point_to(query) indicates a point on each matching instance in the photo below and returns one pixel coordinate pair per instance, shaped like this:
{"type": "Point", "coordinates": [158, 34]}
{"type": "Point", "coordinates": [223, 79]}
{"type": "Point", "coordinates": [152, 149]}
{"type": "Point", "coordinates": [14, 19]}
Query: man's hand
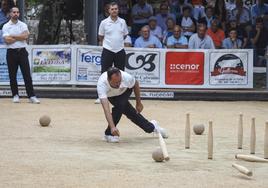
{"type": "Point", "coordinates": [151, 46]}
{"type": "Point", "coordinates": [115, 131]}
{"type": "Point", "coordinates": [139, 107]}
{"type": "Point", "coordinates": [9, 39]}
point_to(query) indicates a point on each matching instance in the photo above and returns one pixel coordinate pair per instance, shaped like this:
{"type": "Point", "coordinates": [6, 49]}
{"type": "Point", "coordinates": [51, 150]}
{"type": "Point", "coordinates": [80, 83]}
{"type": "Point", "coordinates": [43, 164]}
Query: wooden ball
{"type": "Point", "coordinates": [157, 155]}
{"type": "Point", "coordinates": [44, 121]}
{"type": "Point", "coordinates": [199, 129]}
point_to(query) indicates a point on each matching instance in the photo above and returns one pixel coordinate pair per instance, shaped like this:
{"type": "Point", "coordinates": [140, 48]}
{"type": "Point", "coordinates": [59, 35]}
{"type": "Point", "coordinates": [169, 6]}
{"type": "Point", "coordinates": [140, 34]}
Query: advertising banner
{"type": "Point", "coordinates": [144, 66]}
{"type": "Point", "coordinates": [153, 68]}
{"type": "Point", "coordinates": [88, 66]}
{"type": "Point", "coordinates": [228, 68]}
{"type": "Point", "coordinates": [51, 64]}
{"type": "Point", "coordinates": [185, 68]}
{"type": "Point", "coordinates": [4, 76]}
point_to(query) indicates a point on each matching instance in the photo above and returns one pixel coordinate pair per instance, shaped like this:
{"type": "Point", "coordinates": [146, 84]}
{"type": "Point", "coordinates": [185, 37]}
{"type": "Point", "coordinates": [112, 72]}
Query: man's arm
{"type": "Point", "coordinates": [9, 40]}
{"type": "Point", "coordinates": [21, 37]}
{"type": "Point", "coordinates": [108, 116]}
{"type": "Point", "coordinates": [139, 105]}
{"type": "Point", "coordinates": [101, 40]}
{"type": "Point", "coordinates": [256, 37]}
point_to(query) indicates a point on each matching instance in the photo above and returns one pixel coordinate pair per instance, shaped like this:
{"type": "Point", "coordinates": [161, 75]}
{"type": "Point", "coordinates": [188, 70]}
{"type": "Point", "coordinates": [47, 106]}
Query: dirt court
{"type": "Point", "coordinates": [71, 153]}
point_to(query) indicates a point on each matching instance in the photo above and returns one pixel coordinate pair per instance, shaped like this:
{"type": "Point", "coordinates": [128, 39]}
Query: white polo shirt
{"type": "Point", "coordinates": [11, 28]}
{"type": "Point", "coordinates": [105, 90]}
{"type": "Point", "coordinates": [113, 32]}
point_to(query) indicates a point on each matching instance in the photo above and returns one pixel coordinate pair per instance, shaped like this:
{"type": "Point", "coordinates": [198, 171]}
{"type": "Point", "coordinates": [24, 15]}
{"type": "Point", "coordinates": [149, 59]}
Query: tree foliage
{"type": "Point", "coordinates": [50, 21]}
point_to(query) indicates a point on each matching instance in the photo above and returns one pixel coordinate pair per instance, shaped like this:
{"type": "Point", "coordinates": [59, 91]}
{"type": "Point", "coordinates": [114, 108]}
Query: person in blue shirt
{"type": "Point", "coordinates": [177, 40]}
{"type": "Point", "coordinates": [4, 17]}
{"type": "Point", "coordinates": [232, 42]}
{"type": "Point", "coordinates": [260, 9]}
{"type": "Point", "coordinates": [146, 40]}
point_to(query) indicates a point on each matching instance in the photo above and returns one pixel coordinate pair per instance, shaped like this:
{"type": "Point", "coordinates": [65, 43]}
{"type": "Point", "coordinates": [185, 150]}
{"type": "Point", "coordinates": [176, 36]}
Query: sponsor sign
{"type": "Point", "coordinates": [88, 65]}
{"type": "Point", "coordinates": [185, 68]}
{"type": "Point", "coordinates": [4, 75]}
{"type": "Point", "coordinates": [228, 68]}
{"type": "Point", "coordinates": [144, 66]}
{"type": "Point", "coordinates": [51, 64]}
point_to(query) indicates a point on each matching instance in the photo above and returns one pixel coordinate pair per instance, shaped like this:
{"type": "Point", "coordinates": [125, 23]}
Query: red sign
{"type": "Point", "coordinates": [185, 68]}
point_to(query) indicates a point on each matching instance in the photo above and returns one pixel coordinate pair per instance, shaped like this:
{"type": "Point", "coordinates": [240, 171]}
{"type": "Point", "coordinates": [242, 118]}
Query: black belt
{"type": "Point", "coordinates": [16, 49]}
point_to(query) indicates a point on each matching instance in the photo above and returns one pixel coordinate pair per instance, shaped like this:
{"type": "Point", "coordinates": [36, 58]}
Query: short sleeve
{"type": "Point", "coordinates": [129, 80]}
{"type": "Point", "coordinates": [169, 41]}
{"type": "Point", "coordinates": [24, 27]}
{"type": "Point", "coordinates": [101, 29]}
{"type": "Point", "coordinates": [102, 87]}
{"type": "Point", "coordinates": [125, 28]}
{"type": "Point", "coordinates": [184, 40]}
{"type": "Point", "coordinates": [191, 42]}
{"type": "Point", "coordinates": [5, 32]}
{"type": "Point", "coordinates": [224, 44]}
{"type": "Point", "coordinates": [158, 43]}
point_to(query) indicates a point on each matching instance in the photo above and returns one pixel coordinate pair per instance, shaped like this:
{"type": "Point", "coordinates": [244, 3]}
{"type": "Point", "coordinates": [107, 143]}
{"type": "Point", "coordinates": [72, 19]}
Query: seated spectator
{"type": "Point", "coordinates": [176, 7]}
{"type": "Point", "coordinates": [220, 12]}
{"type": "Point", "coordinates": [141, 12]}
{"type": "Point", "coordinates": [169, 31]}
{"type": "Point", "coordinates": [260, 9]}
{"type": "Point", "coordinates": [104, 13]}
{"type": "Point", "coordinates": [259, 39]}
{"type": "Point", "coordinates": [187, 22]}
{"type": "Point", "coordinates": [4, 17]}
{"type": "Point", "coordinates": [230, 5]}
{"type": "Point", "coordinates": [128, 41]}
{"type": "Point", "coordinates": [163, 16]}
{"type": "Point", "coordinates": [241, 33]}
{"type": "Point", "coordinates": [209, 15]}
{"type": "Point", "coordinates": [124, 7]}
{"type": "Point", "coordinates": [177, 40]}
{"type": "Point", "coordinates": [146, 40]}
{"type": "Point", "coordinates": [198, 9]}
{"type": "Point", "coordinates": [242, 14]}
{"type": "Point", "coordinates": [232, 42]}
{"type": "Point", "coordinates": [216, 33]}
{"type": "Point", "coordinates": [201, 40]}
{"type": "Point", "coordinates": [202, 21]}
{"type": "Point", "coordinates": [154, 28]}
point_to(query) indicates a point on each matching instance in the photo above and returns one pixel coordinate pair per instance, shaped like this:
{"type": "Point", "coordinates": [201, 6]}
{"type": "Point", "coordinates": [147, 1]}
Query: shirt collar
{"type": "Point", "coordinates": [110, 20]}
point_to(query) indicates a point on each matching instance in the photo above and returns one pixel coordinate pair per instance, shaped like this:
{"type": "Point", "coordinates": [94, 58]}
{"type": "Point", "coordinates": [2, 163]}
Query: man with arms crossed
{"type": "Point", "coordinates": [115, 86]}
{"type": "Point", "coordinates": [15, 34]}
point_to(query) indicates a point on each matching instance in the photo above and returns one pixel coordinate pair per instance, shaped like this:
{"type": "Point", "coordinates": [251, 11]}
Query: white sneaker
{"type": "Point", "coordinates": [97, 101]}
{"type": "Point", "coordinates": [158, 129]}
{"type": "Point", "coordinates": [34, 100]}
{"type": "Point", "coordinates": [111, 139]}
{"type": "Point", "coordinates": [16, 99]}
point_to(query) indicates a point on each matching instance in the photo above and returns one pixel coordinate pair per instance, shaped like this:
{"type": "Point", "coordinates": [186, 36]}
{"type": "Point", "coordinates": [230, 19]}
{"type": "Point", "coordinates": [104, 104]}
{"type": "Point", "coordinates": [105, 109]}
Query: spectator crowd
{"type": "Point", "coordinates": [195, 24]}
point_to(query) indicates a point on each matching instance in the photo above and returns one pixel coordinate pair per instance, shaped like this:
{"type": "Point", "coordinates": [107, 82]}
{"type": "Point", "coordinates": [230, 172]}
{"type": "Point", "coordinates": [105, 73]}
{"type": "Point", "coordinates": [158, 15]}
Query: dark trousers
{"type": "Point", "coordinates": [19, 58]}
{"type": "Point", "coordinates": [121, 105]}
{"type": "Point", "coordinates": [109, 58]}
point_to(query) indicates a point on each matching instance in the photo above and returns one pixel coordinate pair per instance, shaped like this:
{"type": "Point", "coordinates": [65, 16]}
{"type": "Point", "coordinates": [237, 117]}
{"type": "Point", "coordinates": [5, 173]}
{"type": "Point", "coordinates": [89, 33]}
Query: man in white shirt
{"type": "Point", "coordinates": [112, 32]}
{"type": "Point", "coordinates": [15, 34]}
{"type": "Point", "coordinates": [115, 86]}
{"type": "Point", "coordinates": [201, 40]}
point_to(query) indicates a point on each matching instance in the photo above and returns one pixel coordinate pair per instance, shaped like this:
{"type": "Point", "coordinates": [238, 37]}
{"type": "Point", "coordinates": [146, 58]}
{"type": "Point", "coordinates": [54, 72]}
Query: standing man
{"type": "Point", "coordinates": [112, 32]}
{"type": "Point", "coordinates": [15, 34]}
{"type": "Point", "coordinates": [115, 86]}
